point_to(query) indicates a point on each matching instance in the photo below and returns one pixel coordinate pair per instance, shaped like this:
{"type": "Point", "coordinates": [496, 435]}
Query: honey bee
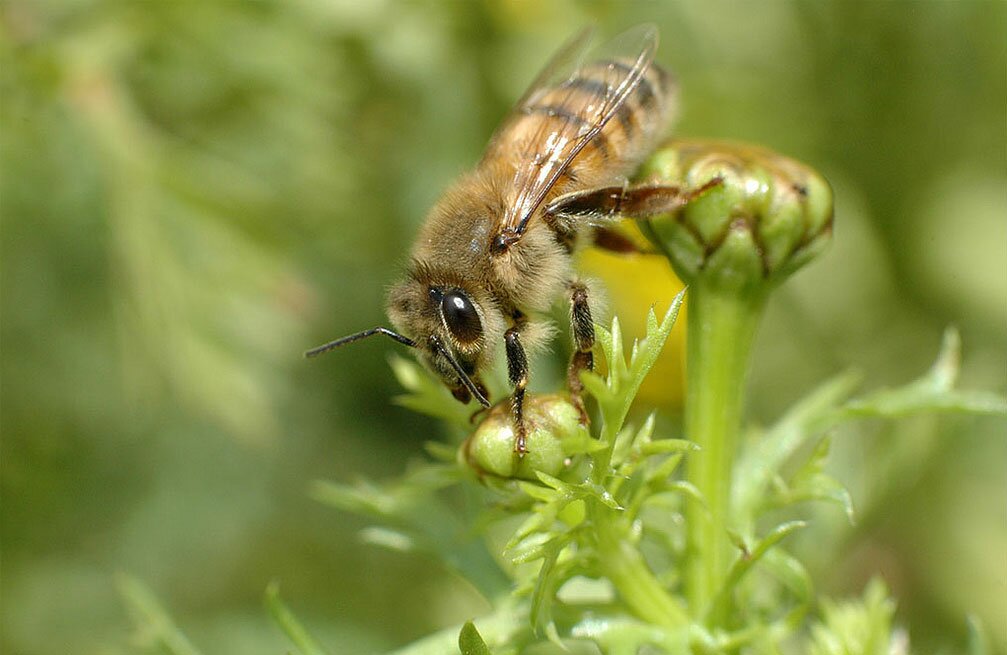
{"type": "Point", "coordinates": [496, 250]}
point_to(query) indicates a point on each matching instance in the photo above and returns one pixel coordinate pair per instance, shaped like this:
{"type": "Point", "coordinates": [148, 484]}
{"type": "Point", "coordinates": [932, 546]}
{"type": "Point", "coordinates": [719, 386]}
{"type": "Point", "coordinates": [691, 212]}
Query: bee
{"type": "Point", "coordinates": [496, 251]}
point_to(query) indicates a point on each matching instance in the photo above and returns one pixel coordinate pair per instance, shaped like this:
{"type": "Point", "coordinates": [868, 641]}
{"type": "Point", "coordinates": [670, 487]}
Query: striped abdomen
{"type": "Point", "coordinates": [554, 118]}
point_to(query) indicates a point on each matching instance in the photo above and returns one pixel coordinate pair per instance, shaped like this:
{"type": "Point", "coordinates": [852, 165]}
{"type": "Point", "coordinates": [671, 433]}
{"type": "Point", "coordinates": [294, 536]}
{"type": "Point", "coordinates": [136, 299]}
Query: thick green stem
{"type": "Point", "coordinates": [624, 566]}
{"type": "Point", "coordinates": [722, 324]}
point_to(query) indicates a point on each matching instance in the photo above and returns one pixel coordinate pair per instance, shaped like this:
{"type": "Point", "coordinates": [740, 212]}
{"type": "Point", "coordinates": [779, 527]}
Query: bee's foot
{"type": "Point", "coordinates": [520, 445]}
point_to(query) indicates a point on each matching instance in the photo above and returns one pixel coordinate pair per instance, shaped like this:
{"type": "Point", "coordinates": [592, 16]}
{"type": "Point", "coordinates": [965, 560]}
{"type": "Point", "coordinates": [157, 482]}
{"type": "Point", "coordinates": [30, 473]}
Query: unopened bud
{"type": "Point", "coordinates": [554, 435]}
{"type": "Point", "coordinates": [766, 218]}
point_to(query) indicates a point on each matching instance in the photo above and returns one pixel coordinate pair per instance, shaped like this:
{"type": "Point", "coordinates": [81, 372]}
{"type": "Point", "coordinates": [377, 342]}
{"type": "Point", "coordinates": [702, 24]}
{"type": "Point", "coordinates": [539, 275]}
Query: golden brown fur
{"type": "Point", "coordinates": [453, 250]}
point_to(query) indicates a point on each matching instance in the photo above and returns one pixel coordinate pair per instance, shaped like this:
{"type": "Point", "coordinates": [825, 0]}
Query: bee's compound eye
{"type": "Point", "coordinates": [461, 317]}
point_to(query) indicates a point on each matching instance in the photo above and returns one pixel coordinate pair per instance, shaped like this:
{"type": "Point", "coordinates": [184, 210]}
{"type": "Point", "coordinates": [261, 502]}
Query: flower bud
{"type": "Point", "coordinates": [766, 218]}
{"type": "Point", "coordinates": [554, 435]}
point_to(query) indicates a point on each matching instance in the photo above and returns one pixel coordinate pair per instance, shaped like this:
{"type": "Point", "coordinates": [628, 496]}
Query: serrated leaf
{"type": "Point", "coordinates": [907, 401]}
{"type": "Point", "coordinates": [824, 487]}
{"type": "Point", "coordinates": [744, 564]}
{"type": "Point", "coordinates": [933, 392]}
{"type": "Point", "coordinates": [760, 462]}
{"type": "Point", "coordinates": [470, 642]}
{"type": "Point", "coordinates": [291, 626]}
{"type": "Point", "coordinates": [811, 483]}
{"type": "Point", "coordinates": [624, 378]}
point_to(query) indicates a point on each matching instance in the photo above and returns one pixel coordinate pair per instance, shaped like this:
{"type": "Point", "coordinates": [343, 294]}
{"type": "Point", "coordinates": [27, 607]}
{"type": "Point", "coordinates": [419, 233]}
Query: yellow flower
{"type": "Point", "coordinates": [634, 283]}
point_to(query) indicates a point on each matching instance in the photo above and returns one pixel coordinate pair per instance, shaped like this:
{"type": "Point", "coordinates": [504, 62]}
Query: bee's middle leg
{"type": "Point", "coordinates": [583, 338]}
{"type": "Point", "coordinates": [517, 373]}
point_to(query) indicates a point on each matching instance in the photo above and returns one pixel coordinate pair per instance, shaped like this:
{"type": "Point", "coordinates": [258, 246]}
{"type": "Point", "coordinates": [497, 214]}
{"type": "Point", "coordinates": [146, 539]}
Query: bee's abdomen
{"type": "Point", "coordinates": [580, 100]}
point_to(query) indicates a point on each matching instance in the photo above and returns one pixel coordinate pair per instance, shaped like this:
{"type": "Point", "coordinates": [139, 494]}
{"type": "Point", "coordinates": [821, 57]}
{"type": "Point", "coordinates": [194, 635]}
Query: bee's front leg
{"type": "Point", "coordinates": [517, 373]}
{"type": "Point", "coordinates": [583, 338]}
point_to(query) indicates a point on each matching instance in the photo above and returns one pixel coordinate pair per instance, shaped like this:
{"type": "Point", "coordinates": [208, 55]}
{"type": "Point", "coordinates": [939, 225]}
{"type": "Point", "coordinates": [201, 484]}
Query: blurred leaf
{"type": "Point", "coordinates": [857, 627]}
{"type": "Point", "coordinates": [548, 580]}
{"type": "Point", "coordinates": [746, 560]}
{"type": "Point", "coordinates": [810, 482]}
{"type": "Point", "coordinates": [620, 635]}
{"type": "Point", "coordinates": [933, 392]}
{"type": "Point", "coordinates": [762, 460]}
{"type": "Point", "coordinates": [155, 625]}
{"type": "Point", "coordinates": [470, 642]}
{"type": "Point", "coordinates": [507, 624]}
{"type": "Point", "coordinates": [295, 631]}
{"type": "Point", "coordinates": [978, 643]}
{"type": "Point", "coordinates": [427, 395]}
{"type": "Point", "coordinates": [413, 518]}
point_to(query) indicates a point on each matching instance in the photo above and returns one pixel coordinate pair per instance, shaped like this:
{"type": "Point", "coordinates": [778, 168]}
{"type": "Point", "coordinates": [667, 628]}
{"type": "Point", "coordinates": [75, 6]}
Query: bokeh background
{"type": "Point", "coordinates": [195, 192]}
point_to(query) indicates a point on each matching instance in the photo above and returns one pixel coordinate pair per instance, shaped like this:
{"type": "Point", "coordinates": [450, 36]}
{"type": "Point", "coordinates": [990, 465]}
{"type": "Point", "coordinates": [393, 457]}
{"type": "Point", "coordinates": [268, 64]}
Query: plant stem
{"type": "Point", "coordinates": [722, 324]}
{"type": "Point", "coordinates": [623, 564]}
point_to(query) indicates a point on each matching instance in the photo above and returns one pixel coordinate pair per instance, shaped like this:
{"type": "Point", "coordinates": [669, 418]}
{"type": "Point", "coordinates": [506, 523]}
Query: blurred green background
{"type": "Point", "coordinates": [195, 192]}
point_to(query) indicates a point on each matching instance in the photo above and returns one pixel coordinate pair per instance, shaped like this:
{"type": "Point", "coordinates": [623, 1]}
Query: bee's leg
{"type": "Point", "coordinates": [635, 202]}
{"type": "Point", "coordinates": [583, 339]}
{"type": "Point", "coordinates": [517, 373]}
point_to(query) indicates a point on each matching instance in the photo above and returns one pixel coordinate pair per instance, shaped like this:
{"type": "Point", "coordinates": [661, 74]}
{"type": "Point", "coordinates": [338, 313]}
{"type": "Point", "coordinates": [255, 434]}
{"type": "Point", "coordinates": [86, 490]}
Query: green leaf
{"type": "Point", "coordinates": [795, 578]}
{"type": "Point", "coordinates": [155, 624]}
{"type": "Point", "coordinates": [470, 642]}
{"type": "Point", "coordinates": [616, 393]}
{"type": "Point", "coordinates": [931, 393]}
{"type": "Point", "coordinates": [746, 561]}
{"type": "Point", "coordinates": [427, 395]}
{"type": "Point", "coordinates": [761, 462]}
{"type": "Point", "coordinates": [978, 643]}
{"type": "Point", "coordinates": [549, 579]}
{"type": "Point", "coordinates": [388, 538]}
{"type": "Point", "coordinates": [621, 635]}
{"type": "Point", "coordinates": [643, 356]}
{"type": "Point", "coordinates": [858, 627]}
{"type": "Point", "coordinates": [663, 446]}
{"type": "Point", "coordinates": [505, 625]}
{"type": "Point", "coordinates": [411, 515]}
{"type": "Point", "coordinates": [295, 631]}
{"type": "Point", "coordinates": [811, 483]}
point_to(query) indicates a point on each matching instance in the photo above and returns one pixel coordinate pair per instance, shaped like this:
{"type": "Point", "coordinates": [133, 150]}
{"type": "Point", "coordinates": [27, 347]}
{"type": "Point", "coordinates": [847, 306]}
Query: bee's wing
{"type": "Point", "coordinates": [549, 150]}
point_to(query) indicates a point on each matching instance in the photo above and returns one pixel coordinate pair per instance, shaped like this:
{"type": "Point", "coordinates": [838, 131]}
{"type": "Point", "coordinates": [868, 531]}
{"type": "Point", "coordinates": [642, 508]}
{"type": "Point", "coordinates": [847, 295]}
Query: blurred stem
{"type": "Point", "coordinates": [722, 324]}
{"type": "Point", "coordinates": [623, 564]}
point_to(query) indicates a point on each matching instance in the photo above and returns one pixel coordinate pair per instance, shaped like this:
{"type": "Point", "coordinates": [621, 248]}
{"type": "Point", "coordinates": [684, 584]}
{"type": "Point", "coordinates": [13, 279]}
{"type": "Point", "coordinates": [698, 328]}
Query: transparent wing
{"type": "Point", "coordinates": [580, 93]}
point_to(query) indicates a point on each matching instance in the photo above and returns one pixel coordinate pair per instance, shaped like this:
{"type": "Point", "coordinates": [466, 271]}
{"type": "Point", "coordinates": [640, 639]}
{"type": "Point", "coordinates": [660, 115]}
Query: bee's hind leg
{"type": "Point", "coordinates": [583, 338]}
{"type": "Point", "coordinates": [639, 202]}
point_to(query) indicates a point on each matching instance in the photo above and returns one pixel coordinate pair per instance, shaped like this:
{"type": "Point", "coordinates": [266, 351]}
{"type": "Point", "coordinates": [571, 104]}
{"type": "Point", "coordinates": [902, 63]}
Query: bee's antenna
{"type": "Point", "coordinates": [466, 380]}
{"type": "Point", "coordinates": [406, 341]}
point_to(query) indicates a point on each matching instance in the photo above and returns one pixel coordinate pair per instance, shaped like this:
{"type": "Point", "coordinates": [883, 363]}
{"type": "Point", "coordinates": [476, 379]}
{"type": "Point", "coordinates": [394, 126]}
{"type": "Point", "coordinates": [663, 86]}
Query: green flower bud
{"type": "Point", "coordinates": [555, 435]}
{"type": "Point", "coordinates": [768, 216]}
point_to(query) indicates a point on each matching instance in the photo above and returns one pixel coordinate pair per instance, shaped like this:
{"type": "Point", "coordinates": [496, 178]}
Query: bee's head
{"type": "Point", "coordinates": [453, 327]}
